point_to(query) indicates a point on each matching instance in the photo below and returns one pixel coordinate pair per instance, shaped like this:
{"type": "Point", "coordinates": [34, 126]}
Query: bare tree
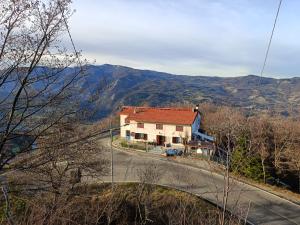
{"type": "Point", "coordinates": [64, 160]}
{"type": "Point", "coordinates": [149, 177]}
{"type": "Point", "coordinates": [37, 86]}
{"type": "Point", "coordinates": [226, 125]}
{"type": "Point", "coordinates": [285, 135]}
{"type": "Point", "coordinates": [262, 140]}
{"type": "Point", "coordinates": [291, 154]}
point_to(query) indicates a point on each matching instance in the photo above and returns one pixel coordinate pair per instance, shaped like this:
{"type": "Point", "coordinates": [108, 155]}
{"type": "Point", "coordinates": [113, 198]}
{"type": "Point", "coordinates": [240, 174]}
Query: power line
{"type": "Point", "coordinates": [70, 36]}
{"type": "Point", "coordinates": [267, 52]}
{"type": "Point", "coordinates": [270, 40]}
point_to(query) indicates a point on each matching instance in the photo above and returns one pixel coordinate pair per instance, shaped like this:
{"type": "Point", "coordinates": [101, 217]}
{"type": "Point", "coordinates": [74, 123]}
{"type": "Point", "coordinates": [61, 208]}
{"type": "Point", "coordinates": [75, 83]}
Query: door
{"type": "Point", "coordinates": [160, 140]}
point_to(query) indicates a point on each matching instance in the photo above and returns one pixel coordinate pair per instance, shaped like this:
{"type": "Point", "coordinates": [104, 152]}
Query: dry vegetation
{"type": "Point", "coordinates": [260, 147]}
{"type": "Point", "coordinates": [127, 204]}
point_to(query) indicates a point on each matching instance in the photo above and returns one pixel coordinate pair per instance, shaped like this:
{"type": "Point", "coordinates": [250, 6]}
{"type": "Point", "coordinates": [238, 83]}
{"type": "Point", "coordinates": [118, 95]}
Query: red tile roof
{"type": "Point", "coordinates": [177, 116]}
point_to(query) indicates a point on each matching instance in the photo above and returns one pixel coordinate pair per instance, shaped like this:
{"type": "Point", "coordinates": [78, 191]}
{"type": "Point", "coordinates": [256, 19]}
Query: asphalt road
{"type": "Point", "coordinates": [259, 206]}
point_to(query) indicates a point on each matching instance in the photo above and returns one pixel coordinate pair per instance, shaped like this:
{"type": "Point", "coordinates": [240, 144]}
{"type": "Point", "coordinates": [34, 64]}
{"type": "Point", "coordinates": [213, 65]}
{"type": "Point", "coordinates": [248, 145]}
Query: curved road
{"type": "Point", "coordinates": [260, 206]}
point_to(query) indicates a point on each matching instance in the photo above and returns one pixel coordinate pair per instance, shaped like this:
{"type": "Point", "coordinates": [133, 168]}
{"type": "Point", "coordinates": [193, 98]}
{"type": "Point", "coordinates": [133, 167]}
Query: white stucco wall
{"type": "Point", "coordinates": [122, 123]}
{"type": "Point", "coordinates": [168, 131]}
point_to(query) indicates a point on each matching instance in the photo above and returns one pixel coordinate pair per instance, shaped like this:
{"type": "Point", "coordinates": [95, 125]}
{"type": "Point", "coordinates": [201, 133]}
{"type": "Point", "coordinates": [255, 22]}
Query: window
{"type": "Point", "coordinates": [176, 140]}
{"type": "Point", "coordinates": [140, 136]}
{"type": "Point", "coordinates": [179, 128]}
{"type": "Point", "coordinates": [159, 126]}
{"type": "Point", "coordinates": [140, 125]}
{"type": "Point", "coordinates": [127, 121]}
{"type": "Point", "coordinates": [145, 137]}
{"type": "Point", "coordinates": [127, 133]}
{"type": "Point", "coordinates": [137, 136]}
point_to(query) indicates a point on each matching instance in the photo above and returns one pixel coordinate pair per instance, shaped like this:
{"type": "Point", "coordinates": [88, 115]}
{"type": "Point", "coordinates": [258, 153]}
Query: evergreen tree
{"type": "Point", "coordinates": [244, 162]}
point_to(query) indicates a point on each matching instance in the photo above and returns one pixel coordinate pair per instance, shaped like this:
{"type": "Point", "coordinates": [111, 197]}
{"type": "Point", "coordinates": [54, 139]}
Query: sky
{"type": "Point", "coordinates": [190, 37]}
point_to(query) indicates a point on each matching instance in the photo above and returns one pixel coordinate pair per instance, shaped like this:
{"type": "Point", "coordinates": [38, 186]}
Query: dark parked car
{"type": "Point", "coordinates": [173, 152]}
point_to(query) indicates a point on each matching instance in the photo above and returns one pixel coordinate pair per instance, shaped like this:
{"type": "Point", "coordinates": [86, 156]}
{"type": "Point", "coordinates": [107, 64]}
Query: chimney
{"type": "Point", "coordinates": [196, 109]}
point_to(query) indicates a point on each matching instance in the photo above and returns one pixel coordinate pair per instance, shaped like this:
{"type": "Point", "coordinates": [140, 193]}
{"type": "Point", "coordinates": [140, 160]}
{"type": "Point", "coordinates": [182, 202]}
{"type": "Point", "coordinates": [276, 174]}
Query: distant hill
{"type": "Point", "coordinates": [110, 87]}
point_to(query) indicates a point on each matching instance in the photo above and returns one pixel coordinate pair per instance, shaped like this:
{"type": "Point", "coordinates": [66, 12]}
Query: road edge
{"type": "Point", "coordinates": [204, 169]}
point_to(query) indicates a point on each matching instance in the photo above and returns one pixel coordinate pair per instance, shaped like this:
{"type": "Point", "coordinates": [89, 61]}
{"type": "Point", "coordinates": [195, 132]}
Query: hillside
{"type": "Point", "coordinates": [110, 87]}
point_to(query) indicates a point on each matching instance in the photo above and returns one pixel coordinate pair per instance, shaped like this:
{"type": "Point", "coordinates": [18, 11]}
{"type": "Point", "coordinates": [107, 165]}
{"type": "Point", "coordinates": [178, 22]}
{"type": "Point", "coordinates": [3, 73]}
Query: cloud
{"type": "Point", "coordinates": [224, 38]}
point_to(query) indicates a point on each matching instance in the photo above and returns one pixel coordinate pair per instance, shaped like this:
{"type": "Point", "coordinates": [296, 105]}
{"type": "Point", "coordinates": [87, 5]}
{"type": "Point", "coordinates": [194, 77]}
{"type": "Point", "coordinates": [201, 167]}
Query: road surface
{"type": "Point", "coordinates": [260, 206]}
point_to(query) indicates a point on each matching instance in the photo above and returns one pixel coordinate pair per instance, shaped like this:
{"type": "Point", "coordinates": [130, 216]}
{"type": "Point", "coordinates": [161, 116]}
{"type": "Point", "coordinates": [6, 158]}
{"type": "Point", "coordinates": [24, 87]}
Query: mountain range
{"type": "Point", "coordinates": [106, 88]}
{"type": "Point", "coordinates": [109, 87]}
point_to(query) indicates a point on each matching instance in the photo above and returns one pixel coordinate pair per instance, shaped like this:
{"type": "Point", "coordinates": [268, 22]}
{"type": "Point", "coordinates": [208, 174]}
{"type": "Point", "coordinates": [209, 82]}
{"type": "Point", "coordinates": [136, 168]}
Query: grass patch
{"type": "Point", "coordinates": [138, 146]}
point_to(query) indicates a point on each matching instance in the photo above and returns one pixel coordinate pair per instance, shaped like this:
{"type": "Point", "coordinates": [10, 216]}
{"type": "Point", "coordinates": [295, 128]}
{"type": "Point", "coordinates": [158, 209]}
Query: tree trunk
{"type": "Point", "coordinates": [264, 169]}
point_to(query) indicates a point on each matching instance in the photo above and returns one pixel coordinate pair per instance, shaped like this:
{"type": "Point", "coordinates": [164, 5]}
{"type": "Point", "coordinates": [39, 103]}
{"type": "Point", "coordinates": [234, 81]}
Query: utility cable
{"type": "Point", "coordinates": [267, 53]}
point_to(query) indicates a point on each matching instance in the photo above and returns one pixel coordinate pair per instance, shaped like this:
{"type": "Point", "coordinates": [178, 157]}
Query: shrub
{"type": "Point", "coordinates": [246, 163]}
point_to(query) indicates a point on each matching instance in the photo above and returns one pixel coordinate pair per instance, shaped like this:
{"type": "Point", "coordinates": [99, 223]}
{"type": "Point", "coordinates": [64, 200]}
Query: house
{"type": "Point", "coordinates": [162, 126]}
{"type": "Point", "coordinates": [205, 148]}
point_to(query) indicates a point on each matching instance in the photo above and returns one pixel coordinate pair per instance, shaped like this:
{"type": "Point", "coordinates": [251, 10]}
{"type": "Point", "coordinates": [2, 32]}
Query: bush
{"type": "Point", "coordinates": [124, 144]}
{"type": "Point", "coordinates": [127, 204]}
{"type": "Point", "coordinates": [139, 146]}
{"type": "Point", "coordinates": [245, 163]}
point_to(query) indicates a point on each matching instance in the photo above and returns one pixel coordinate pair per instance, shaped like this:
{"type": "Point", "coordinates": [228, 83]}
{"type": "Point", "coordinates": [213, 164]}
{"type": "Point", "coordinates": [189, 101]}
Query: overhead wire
{"type": "Point", "coordinates": [267, 51]}
{"type": "Point", "coordinates": [270, 40]}
{"type": "Point", "coordinates": [69, 34]}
